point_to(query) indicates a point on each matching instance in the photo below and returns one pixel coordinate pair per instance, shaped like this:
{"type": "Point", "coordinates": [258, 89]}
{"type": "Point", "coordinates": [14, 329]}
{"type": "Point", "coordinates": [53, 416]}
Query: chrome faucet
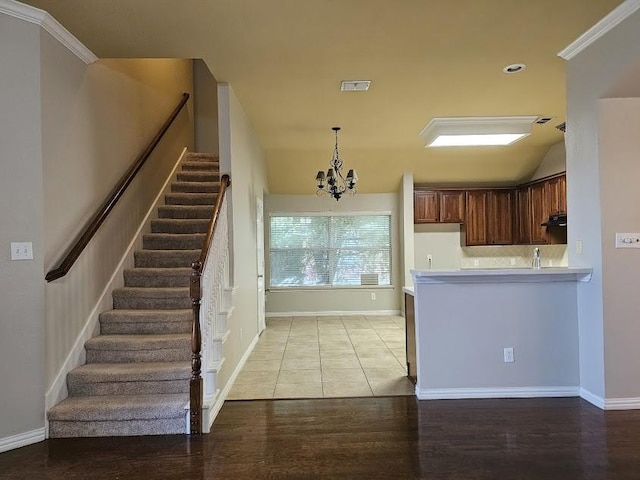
{"type": "Point", "coordinates": [535, 263]}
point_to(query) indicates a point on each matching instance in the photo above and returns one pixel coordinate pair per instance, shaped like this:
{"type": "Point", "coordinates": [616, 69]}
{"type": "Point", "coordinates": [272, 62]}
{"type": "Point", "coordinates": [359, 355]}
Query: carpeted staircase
{"type": "Point", "coordinates": [136, 379]}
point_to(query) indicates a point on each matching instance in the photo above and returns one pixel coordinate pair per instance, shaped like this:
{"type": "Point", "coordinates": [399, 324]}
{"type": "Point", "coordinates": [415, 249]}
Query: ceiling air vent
{"type": "Point", "coordinates": [562, 127]}
{"type": "Point", "coordinates": [543, 120]}
{"type": "Point", "coordinates": [355, 85]}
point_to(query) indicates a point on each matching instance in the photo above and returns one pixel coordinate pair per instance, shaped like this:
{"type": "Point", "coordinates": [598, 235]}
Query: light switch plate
{"type": "Point", "coordinates": [21, 251]}
{"type": "Point", "coordinates": [627, 240]}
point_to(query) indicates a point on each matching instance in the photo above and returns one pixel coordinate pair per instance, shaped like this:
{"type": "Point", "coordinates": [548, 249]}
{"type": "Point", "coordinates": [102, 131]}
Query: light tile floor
{"type": "Point", "coordinates": [316, 357]}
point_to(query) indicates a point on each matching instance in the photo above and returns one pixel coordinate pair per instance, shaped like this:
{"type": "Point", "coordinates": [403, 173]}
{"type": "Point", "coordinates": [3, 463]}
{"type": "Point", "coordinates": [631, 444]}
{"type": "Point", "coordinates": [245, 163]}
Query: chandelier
{"type": "Point", "coordinates": [336, 183]}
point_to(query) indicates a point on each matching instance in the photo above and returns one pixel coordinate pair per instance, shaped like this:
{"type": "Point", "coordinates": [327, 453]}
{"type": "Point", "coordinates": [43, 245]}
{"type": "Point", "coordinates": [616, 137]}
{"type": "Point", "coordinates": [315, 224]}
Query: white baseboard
{"type": "Point", "coordinates": [76, 357]}
{"type": "Point", "coordinates": [210, 415]}
{"type": "Point", "coordinates": [21, 439]}
{"type": "Point", "coordinates": [334, 313]}
{"type": "Point", "coordinates": [631, 403]}
{"type": "Point", "coordinates": [592, 398]}
{"type": "Point", "coordinates": [508, 392]}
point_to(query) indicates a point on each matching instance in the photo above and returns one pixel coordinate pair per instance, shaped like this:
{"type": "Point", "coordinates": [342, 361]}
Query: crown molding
{"type": "Point", "coordinates": [613, 19]}
{"type": "Point", "coordinates": [47, 22]}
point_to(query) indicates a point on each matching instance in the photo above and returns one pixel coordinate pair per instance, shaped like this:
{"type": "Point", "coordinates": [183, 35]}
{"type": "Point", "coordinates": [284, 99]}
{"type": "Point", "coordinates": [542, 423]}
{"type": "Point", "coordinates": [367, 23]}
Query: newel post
{"type": "Point", "coordinates": [195, 385]}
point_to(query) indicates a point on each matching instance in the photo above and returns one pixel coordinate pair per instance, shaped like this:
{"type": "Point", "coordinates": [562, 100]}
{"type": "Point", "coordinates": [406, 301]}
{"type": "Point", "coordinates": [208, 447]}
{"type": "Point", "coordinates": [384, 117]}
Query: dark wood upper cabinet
{"type": "Point", "coordinates": [539, 213]}
{"type": "Point", "coordinates": [475, 228]}
{"type": "Point", "coordinates": [438, 206]}
{"type": "Point", "coordinates": [426, 208]}
{"type": "Point", "coordinates": [556, 195]}
{"type": "Point", "coordinates": [452, 206]}
{"type": "Point", "coordinates": [500, 217]}
{"type": "Point", "coordinates": [523, 216]}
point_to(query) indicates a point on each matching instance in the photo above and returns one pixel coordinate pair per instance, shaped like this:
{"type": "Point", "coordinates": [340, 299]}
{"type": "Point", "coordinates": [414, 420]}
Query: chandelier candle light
{"type": "Point", "coordinates": [337, 184]}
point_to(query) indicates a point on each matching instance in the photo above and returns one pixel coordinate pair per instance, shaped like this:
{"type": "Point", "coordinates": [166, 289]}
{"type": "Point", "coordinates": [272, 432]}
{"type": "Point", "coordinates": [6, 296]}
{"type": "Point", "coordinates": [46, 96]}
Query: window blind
{"type": "Point", "coordinates": [329, 250]}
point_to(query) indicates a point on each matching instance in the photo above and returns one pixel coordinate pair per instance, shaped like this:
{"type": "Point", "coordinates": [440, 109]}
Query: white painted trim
{"type": "Point", "coordinates": [330, 313]}
{"type": "Point", "coordinates": [47, 22]}
{"type": "Point", "coordinates": [609, 22]}
{"type": "Point", "coordinates": [210, 415]}
{"type": "Point", "coordinates": [592, 398]}
{"type": "Point", "coordinates": [58, 389]}
{"type": "Point", "coordinates": [507, 392]}
{"type": "Point", "coordinates": [632, 403]}
{"type": "Point", "coordinates": [22, 439]}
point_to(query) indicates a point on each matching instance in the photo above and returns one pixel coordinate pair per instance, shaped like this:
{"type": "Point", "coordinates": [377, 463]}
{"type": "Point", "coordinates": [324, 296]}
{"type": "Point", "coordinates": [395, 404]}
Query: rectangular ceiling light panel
{"type": "Point", "coordinates": [476, 131]}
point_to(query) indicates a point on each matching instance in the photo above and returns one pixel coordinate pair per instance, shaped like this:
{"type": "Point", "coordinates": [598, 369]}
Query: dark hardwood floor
{"type": "Point", "coordinates": [362, 438]}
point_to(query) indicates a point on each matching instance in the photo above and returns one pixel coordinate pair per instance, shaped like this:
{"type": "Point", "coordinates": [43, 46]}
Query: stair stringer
{"type": "Point", "coordinates": [58, 390]}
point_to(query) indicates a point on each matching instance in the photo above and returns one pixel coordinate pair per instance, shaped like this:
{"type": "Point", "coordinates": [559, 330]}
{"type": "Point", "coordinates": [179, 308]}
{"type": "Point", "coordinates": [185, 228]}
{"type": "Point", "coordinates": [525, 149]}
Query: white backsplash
{"type": "Point", "coordinates": [509, 256]}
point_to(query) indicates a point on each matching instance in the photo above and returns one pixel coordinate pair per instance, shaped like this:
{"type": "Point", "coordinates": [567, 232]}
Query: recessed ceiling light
{"type": "Point", "coordinates": [476, 131]}
{"type": "Point", "coordinates": [514, 68]}
{"type": "Point", "coordinates": [355, 85]}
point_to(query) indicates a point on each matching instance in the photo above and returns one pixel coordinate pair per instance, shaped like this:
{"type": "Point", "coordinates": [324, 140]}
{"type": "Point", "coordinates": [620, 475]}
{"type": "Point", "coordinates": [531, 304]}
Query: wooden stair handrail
{"type": "Point", "coordinates": [195, 292]}
{"type": "Point", "coordinates": [103, 212]}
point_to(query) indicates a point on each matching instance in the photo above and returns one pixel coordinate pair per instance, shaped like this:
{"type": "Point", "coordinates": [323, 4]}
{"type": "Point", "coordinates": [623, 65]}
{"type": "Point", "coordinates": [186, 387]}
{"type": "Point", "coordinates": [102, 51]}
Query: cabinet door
{"type": "Point", "coordinates": [562, 194]}
{"type": "Point", "coordinates": [410, 336]}
{"type": "Point", "coordinates": [425, 207]}
{"type": "Point", "coordinates": [452, 206]}
{"type": "Point", "coordinates": [539, 213]}
{"type": "Point", "coordinates": [553, 195]}
{"type": "Point", "coordinates": [523, 216]}
{"type": "Point", "coordinates": [500, 217]}
{"type": "Point", "coordinates": [476, 226]}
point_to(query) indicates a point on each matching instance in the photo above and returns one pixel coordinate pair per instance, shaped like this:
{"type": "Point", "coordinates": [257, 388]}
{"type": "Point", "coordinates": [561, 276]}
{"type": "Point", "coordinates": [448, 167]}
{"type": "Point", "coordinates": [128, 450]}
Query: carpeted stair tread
{"type": "Point", "coordinates": [201, 157]}
{"type": "Point", "coordinates": [130, 372]}
{"type": "Point", "coordinates": [186, 198]}
{"type": "Point", "coordinates": [197, 176]}
{"type": "Point", "coordinates": [200, 165]}
{"type": "Point", "coordinates": [166, 258]}
{"type": "Point", "coordinates": [185, 211]}
{"type": "Point", "coordinates": [145, 322]}
{"type": "Point", "coordinates": [157, 277]}
{"type": "Point", "coordinates": [164, 298]}
{"type": "Point", "coordinates": [138, 342]}
{"type": "Point", "coordinates": [195, 187]}
{"type": "Point", "coordinates": [173, 241]}
{"type": "Point", "coordinates": [120, 407]}
{"type": "Point", "coordinates": [180, 225]}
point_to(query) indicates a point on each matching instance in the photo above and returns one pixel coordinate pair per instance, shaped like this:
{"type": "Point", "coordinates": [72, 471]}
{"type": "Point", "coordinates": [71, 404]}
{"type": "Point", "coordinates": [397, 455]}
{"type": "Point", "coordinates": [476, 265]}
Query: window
{"type": "Point", "coordinates": [330, 250]}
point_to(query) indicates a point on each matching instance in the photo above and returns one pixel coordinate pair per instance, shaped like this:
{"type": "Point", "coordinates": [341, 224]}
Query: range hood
{"type": "Point", "coordinates": [556, 221]}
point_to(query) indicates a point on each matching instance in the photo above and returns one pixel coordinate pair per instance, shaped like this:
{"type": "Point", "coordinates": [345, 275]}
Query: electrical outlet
{"type": "Point", "coordinates": [476, 263]}
{"type": "Point", "coordinates": [512, 261]}
{"type": "Point", "coordinates": [579, 247]}
{"type": "Point", "coordinates": [21, 251]}
{"type": "Point", "coordinates": [508, 355]}
{"type": "Point", "coordinates": [373, 296]}
{"type": "Point", "coordinates": [627, 240]}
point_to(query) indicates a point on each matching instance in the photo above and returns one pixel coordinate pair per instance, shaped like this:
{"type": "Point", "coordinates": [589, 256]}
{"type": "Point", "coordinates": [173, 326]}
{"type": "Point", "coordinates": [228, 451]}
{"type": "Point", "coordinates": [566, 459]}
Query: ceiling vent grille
{"type": "Point", "coordinates": [543, 120]}
{"type": "Point", "coordinates": [562, 127]}
{"type": "Point", "coordinates": [355, 85]}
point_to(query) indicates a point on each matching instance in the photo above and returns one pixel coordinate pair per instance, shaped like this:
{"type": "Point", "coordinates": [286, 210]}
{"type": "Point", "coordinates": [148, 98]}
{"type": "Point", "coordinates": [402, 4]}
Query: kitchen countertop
{"type": "Point", "coordinates": [501, 275]}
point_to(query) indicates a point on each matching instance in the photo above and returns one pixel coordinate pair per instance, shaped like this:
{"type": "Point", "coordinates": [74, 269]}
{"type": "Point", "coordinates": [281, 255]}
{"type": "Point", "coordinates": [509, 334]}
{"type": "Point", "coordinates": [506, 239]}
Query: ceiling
{"type": "Point", "coordinates": [426, 58]}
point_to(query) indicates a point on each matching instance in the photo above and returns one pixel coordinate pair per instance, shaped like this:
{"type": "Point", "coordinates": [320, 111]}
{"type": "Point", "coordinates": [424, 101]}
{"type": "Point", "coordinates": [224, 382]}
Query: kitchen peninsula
{"type": "Point", "coordinates": [465, 319]}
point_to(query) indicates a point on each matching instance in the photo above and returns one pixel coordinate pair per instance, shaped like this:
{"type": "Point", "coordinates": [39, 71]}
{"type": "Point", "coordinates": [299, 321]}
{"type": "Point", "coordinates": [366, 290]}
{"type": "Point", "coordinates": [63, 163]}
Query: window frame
{"type": "Point", "coordinates": [385, 213]}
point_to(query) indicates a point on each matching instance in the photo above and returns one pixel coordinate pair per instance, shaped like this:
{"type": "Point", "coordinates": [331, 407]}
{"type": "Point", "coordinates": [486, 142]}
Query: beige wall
{"type": "Point", "coordinates": [96, 120]}
{"type": "Point", "coordinates": [242, 155]}
{"type": "Point", "coordinates": [318, 301]}
{"type": "Point", "coordinates": [555, 161]}
{"type": "Point", "coordinates": [21, 217]}
{"type": "Point", "coordinates": [205, 108]}
{"type": "Point", "coordinates": [619, 123]}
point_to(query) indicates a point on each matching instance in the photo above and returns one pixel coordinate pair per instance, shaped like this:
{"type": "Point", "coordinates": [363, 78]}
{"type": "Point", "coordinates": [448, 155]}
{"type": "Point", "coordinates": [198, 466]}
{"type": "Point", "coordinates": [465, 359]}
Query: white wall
{"type": "Point", "coordinates": [242, 156]}
{"type": "Point", "coordinates": [554, 161]}
{"type": "Point", "coordinates": [337, 300]}
{"type": "Point", "coordinates": [21, 283]}
{"type": "Point", "coordinates": [589, 75]}
{"type": "Point", "coordinates": [442, 242]}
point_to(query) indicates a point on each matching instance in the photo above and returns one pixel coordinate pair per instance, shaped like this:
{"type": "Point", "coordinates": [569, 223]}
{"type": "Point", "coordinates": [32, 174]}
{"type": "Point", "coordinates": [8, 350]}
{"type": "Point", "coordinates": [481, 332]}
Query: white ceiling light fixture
{"type": "Point", "coordinates": [476, 131]}
{"type": "Point", "coordinates": [355, 85]}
